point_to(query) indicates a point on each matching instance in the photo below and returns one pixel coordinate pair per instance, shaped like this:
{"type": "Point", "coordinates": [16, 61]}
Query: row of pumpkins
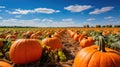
{"type": "Point", "coordinates": [25, 51]}
{"type": "Point", "coordinates": [94, 55]}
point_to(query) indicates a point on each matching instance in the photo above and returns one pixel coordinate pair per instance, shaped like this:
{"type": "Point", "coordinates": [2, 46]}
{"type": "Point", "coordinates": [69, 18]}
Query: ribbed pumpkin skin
{"type": "Point", "coordinates": [91, 57]}
{"type": "Point", "coordinates": [24, 51]}
{"type": "Point", "coordinates": [54, 43]}
{"type": "Point", "coordinates": [4, 64]}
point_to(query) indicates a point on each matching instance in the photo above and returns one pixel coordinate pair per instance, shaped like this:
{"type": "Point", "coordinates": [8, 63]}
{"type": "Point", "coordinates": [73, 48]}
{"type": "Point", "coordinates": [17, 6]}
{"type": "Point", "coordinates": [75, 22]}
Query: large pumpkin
{"type": "Point", "coordinates": [24, 51]}
{"type": "Point", "coordinates": [97, 56]}
{"type": "Point", "coordinates": [53, 43]}
{"type": "Point", "coordinates": [4, 64]}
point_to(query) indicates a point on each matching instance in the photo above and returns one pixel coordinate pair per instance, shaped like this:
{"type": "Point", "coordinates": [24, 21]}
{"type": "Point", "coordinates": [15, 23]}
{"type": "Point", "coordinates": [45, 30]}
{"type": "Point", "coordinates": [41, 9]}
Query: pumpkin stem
{"type": "Point", "coordinates": [101, 44]}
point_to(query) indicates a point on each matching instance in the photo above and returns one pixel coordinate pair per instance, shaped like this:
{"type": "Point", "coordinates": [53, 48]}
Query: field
{"type": "Point", "coordinates": [70, 38]}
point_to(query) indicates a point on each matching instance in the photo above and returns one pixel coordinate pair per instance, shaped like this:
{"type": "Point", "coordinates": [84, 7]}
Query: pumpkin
{"type": "Point", "coordinates": [83, 35]}
{"type": "Point", "coordinates": [24, 51]}
{"type": "Point", "coordinates": [35, 36]}
{"type": "Point", "coordinates": [53, 43]}
{"type": "Point", "coordinates": [76, 36]}
{"type": "Point", "coordinates": [97, 56]}
{"type": "Point", "coordinates": [71, 33]}
{"type": "Point", "coordinates": [4, 64]}
{"type": "Point", "coordinates": [87, 41]}
{"type": "Point", "coordinates": [56, 35]}
{"type": "Point", "coordinates": [39, 33]}
{"type": "Point", "coordinates": [29, 33]}
{"type": "Point", "coordinates": [12, 37]}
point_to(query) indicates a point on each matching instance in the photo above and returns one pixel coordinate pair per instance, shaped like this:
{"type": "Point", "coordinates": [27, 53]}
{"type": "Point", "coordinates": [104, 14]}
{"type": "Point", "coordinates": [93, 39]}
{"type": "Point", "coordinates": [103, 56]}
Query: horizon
{"type": "Point", "coordinates": [59, 13]}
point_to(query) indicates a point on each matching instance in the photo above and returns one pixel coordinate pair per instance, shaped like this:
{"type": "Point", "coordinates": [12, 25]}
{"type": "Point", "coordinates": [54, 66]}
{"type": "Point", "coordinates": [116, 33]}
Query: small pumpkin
{"type": "Point", "coordinates": [71, 33]}
{"type": "Point", "coordinates": [97, 56]}
{"type": "Point", "coordinates": [35, 36]}
{"type": "Point", "coordinates": [83, 35]}
{"type": "Point", "coordinates": [87, 41]}
{"type": "Point", "coordinates": [29, 33]}
{"type": "Point", "coordinates": [39, 33]}
{"type": "Point", "coordinates": [53, 43]}
{"type": "Point", "coordinates": [56, 35]}
{"type": "Point", "coordinates": [4, 64]}
{"type": "Point", "coordinates": [11, 37]}
{"type": "Point", "coordinates": [76, 36]}
{"type": "Point", "coordinates": [24, 51]}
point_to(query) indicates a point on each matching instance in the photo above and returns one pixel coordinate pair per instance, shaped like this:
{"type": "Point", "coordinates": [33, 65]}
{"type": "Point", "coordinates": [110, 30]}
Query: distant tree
{"type": "Point", "coordinates": [86, 26]}
{"type": "Point", "coordinates": [117, 26]}
{"type": "Point", "coordinates": [109, 26]}
{"type": "Point", "coordinates": [103, 26]}
{"type": "Point", "coordinates": [98, 26]}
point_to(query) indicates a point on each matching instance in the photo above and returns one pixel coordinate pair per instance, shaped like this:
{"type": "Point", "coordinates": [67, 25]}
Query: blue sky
{"type": "Point", "coordinates": [59, 13]}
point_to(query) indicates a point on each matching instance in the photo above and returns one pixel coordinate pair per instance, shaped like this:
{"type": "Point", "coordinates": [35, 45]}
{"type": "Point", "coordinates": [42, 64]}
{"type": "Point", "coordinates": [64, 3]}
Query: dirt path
{"type": "Point", "coordinates": [70, 47]}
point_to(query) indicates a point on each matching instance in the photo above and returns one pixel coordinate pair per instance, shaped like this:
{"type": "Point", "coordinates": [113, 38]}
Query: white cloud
{"type": "Point", "coordinates": [2, 7]}
{"type": "Point", "coordinates": [102, 10]}
{"type": "Point", "coordinates": [37, 10]}
{"type": "Point", "coordinates": [109, 17]}
{"type": "Point", "coordinates": [91, 19]}
{"type": "Point", "coordinates": [39, 22]}
{"type": "Point", "coordinates": [45, 10]}
{"type": "Point", "coordinates": [77, 8]}
{"type": "Point", "coordinates": [19, 11]}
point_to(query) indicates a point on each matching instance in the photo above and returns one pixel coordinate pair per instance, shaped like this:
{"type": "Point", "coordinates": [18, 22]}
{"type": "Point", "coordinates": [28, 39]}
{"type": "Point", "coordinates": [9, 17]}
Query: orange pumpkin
{"type": "Point", "coordinates": [76, 36]}
{"type": "Point", "coordinates": [24, 51]}
{"type": "Point", "coordinates": [56, 35]}
{"type": "Point", "coordinates": [83, 35]}
{"type": "Point", "coordinates": [29, 33]}
{"type": "Point", "coordinates": [12, 37]}
{"type": "Point", "coordinates": [87, 41]}
{"type": "Point", "coordinates": [4, 64]}
{"type": "Point", "coordinates": [39, 33]}
{"type": "Point", "coordinates": [53, 43]}
{"type": "Point", "coordinates": [71, 33]}
{"type": "Point", "coordinates": [94, 57]}
{"type": "Point", "coordinates": [35, 36]}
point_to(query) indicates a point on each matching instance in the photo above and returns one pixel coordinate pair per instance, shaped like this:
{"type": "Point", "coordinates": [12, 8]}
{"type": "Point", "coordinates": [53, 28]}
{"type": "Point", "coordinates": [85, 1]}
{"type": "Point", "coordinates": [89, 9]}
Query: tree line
{"type": "Point", "coordinates": [102, 26]}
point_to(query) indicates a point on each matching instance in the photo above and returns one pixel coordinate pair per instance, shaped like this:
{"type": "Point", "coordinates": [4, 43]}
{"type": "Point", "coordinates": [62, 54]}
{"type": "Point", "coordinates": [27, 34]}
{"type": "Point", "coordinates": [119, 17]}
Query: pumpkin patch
{"type": "Point", "coordinates": [60, 47]}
